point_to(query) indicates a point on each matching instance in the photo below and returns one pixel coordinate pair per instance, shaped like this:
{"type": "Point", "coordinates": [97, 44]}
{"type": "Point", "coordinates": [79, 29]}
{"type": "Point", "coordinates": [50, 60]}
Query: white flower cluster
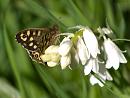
{"type": "Point", "coordinates": [83, 48]}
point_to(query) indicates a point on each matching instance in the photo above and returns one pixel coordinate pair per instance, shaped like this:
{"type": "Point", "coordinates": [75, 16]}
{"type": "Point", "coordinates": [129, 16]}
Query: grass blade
{"type": "Point", "coordinates": [51, 83]}
{"type": "Point", "coordinates": [10, 54]}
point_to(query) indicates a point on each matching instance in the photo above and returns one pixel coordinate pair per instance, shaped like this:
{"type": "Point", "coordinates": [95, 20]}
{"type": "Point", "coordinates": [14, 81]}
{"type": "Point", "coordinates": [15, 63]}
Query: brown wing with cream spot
{"type": "Point", "coordinates": [35, 56]}
{"type": "Point", "coordinates": [36, 40]}
{"type": "Point", "coordinates": [31, 39]}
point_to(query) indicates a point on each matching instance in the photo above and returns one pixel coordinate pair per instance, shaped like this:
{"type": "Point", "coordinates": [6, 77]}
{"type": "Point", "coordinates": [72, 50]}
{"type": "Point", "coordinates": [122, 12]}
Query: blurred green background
{"type": "Point", "coordinates": [20, 77]}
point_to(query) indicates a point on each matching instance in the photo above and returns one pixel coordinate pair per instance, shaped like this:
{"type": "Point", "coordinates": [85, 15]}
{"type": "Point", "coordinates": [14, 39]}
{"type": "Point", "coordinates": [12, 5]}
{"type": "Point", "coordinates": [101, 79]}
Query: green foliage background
{"type": "Point", "coordinates": [20, 77]}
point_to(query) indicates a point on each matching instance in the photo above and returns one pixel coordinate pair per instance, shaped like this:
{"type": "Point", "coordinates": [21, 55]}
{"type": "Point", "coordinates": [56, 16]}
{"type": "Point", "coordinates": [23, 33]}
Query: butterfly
{"type": "Point", "coordinates": [37, 40]}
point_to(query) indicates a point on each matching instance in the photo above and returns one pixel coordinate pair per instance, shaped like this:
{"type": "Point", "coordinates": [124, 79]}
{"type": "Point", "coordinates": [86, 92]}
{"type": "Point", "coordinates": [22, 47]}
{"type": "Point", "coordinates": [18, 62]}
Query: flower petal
{"type": "Point", "coordinates": [94, 80]}
{"type": "Point", "coordinates": [52, 49]}
{"type": "Point", "coordinates": [91, 42]}
{"type": "Point", "coordinates": [107, 30]}
{"type": "Point", "coordinates": [65, 61]}
{"type": "Point", "coordinates": [122, 57]}
{"type": "Point", "coordinates": [108, 76]}
{"type": "Point", "coordinates": [65, 46]}
{"type": "Point", "coordinates": [120, 54]}
{"type": "Point", "coordinates": [82, 50]}
{"type": "Point", "coordinates": [95, 65]}
{"type": "Point", "coordinates": [112, 55]}
{"type": "Point", "coordinates": [102, 77]}
{"type": "Point", "coordinates": [88, 67]}
{"type": "Point", "coordinates": [105, 76]}
{"type": "Point", "coordinates": [55, 57]}
{"type": "Point", "coordinates": [52, 64]}
{"type": "Point", "coordinates": [45, 57]}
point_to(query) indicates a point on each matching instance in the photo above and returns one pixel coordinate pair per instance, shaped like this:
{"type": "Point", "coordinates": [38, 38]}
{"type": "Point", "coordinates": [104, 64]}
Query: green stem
{"type": "Point", "coordinates": [121, 40]}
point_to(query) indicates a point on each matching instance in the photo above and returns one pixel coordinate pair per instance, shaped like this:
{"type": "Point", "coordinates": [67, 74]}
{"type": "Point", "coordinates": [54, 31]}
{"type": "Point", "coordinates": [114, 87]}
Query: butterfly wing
{"type": "Point", "coordinates": [36, 40]}
{"type": "Point", "coordinates": [35, 56]}
{"type": "Point", "coordinates": [31, 38]}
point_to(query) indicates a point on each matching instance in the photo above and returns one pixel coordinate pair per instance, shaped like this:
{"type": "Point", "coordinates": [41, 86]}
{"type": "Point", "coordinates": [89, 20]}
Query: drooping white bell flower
{"type": "Point", "coordinates": [92, 65]}
{"type": "Point", "coordinates": [51, 56]}
{"type": "Point", "coordinates": [114, 54]}
{"type": "Point", "coordinates": [102, 76]}
{"type": "Point", "coordinates": [65, 46]}
{"type": "Point", "coordinates": [91, 42]}
{"type": "Point", "coordinates": [82, 51]}
{"type": "Point", "coordinates": [64, 50]}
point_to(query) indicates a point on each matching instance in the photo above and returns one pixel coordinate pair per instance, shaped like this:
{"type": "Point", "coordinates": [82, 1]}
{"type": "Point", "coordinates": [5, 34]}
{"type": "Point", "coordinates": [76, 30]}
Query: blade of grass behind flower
{"type": "Point", "coordinates": [34, 90]}
{"type": "Point", "coordinates": [76, 13]}
{"type": "Point", "coordinates": [12, 61]}
{"type": "Point", "coordinates": [52, 85]}
{"type": "Point", "coordinates": [42, 12]}
{"type": "Point", "coordinates": [120, 23]}
{"type": "Point", "coordinates": [115, 20]}
{"type": "Point", "coordinates": [10, 20]}
{"type": "Point", "coordinates": [94, 92]}
{"type": "Point", "coordinates": [109, 13]}
{"type": "Point", "coordinates": [115, 91]}
{"type": "Point", "coordinates": [98, 14]}
{"type": "Point", "coordinates": [84, 89]}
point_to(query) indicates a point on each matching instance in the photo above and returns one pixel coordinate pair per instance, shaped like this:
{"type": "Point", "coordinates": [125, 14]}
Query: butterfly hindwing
{"type": "Point", "coordinates": [35, 56]}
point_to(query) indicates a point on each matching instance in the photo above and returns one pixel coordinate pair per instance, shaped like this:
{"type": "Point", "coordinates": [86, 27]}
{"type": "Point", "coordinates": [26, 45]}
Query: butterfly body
{"type": "Point", "coordinates": [37, 40]}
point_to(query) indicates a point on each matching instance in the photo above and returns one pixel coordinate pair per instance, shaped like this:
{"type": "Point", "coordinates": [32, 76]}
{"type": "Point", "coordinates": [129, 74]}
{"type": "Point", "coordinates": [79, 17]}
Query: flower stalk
{"type": "Point", "coordinates": [82, 48]}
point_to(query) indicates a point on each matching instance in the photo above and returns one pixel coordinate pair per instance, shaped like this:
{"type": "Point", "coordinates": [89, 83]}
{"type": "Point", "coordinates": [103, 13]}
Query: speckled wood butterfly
{"type": "Point", "coordinates": [36, 40]}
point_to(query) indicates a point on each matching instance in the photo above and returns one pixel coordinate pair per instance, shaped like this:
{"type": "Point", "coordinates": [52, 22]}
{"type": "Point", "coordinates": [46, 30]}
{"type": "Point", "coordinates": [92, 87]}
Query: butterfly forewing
{"type": "Point", "coordinates": [36, 40]}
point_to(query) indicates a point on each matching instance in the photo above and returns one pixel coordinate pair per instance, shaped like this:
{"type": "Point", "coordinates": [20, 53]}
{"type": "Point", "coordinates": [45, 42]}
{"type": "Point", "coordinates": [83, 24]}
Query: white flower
{"type": "Point", "coordinates": [99, 70]}
{"type": "Point", "coordinates": [91, 65]}
{"type": "Point", "coordinates": [65, 61]}
{"type": "Point", "coordinates": [51, 56]}
{"type": "Point", "coordinates": [65, 51]}
{"type": "Point", "coordinates": [82, 50]}
{"type": "Point", "coordinates": [108, 76]}
{"type": "Point", "coordinates": [65, 46]}
{"type": "Point", "coordinates": [102, 76]}
{"type": "Point", "coordinates": [52, 49]}
{"type": "Point", "coordinates": [94, 80]}
{"type": "Point", "coordinates": [51, 64]}
{"type": "Point", "coordinates": [114, 54]}
{"type": "Point", "coordinates": [105, 30]}
{"type": "Point", "coordinates": [91, 42]}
